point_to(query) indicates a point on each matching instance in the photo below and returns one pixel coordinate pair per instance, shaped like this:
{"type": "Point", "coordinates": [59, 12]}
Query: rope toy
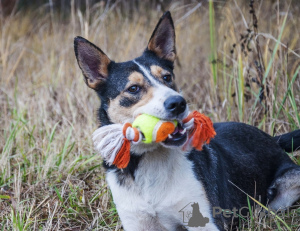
{"type": "Point", "coordinates": [114, 141]}
{"type": "Point", "coordinates": [201, 131]}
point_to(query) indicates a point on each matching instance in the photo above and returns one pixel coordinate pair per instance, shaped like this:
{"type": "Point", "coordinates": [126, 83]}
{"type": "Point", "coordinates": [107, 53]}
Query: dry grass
{"type": "Point", "coordinates": [50, 177]}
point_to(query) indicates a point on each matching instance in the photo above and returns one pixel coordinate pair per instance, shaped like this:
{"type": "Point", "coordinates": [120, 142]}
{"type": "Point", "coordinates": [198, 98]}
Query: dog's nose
{"type": "Point", "coordinates": [175, 105]}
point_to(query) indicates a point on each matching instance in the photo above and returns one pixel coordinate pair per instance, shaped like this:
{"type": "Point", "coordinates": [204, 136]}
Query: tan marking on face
{"type": "Point", "coordinates": [136, 78]}
{"type": "Point", "coordinates": [158, 72]}
{"type": "Point", "coordinates": [120, 114]}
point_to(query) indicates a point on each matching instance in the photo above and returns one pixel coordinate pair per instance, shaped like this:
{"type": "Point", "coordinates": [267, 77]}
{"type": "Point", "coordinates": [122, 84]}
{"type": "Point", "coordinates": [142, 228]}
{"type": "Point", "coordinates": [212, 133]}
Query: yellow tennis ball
{"type": "Point", "coordinates": [153, 128]}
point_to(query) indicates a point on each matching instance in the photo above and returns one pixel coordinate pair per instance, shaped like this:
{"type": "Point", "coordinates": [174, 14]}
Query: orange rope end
{"type": "Point", "coordinates": [123, 156]}
{"type": "Point", "coordinates": [203, 130]}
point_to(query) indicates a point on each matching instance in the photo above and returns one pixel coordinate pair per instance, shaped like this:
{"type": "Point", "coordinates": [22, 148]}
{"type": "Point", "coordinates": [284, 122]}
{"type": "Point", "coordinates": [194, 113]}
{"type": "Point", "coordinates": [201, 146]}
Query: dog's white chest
{"type": "Point", "coordinates": [164, 188]}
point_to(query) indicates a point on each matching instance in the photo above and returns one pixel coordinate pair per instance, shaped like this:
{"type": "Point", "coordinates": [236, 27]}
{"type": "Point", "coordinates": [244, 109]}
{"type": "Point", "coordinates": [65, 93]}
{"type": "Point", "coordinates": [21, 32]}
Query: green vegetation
{"type": "Point", "coordinates": [235, 62]}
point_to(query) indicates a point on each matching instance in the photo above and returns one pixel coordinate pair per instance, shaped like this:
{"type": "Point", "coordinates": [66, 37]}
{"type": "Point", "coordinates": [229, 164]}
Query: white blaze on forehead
{"type": "Point", "coordinates": [155, 106]}
{"type": "Point", "coordinates": [147, 73]}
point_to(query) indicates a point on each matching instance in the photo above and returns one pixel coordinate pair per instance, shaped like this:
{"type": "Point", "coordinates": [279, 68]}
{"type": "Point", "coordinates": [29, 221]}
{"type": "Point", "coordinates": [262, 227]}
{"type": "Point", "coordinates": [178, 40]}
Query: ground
{"type": "Point", "coordinates": [235, 63]}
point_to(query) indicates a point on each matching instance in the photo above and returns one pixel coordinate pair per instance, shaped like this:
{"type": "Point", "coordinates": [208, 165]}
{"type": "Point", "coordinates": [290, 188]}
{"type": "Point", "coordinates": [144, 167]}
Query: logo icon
{"type": "Point", "coordinates": [192, 216]}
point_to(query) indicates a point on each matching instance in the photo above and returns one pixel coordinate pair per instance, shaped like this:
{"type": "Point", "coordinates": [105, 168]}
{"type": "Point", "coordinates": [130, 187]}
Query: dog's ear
{"type": "Point", "coordinates": [92, 61]}
{"type": "Point", "coordinates": [162, 41]}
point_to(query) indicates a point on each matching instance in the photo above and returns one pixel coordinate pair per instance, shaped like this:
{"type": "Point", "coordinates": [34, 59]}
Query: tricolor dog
{"type": "Point", "coordinates": [161, 179]}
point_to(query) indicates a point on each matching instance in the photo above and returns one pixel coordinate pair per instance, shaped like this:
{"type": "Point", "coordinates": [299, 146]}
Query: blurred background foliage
{"type": "Point", "coordinates": [237, 61]}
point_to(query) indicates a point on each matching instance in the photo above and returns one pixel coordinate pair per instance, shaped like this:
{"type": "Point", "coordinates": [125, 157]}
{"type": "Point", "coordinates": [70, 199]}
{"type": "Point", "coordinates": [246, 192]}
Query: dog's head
{"type": "Point", "coordinates": [143, 85]}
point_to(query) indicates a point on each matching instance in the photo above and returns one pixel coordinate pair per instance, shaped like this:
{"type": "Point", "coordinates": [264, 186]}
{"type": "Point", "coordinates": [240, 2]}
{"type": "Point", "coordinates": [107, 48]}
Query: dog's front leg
{"type": "Point", "coordinates": [134, 211]}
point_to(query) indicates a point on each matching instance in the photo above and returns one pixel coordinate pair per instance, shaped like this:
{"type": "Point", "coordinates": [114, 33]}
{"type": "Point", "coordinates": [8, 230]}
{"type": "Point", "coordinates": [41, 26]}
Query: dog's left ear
{"type": "Point", "coordinates": [162, 41]}
{"type": "Point", "coordinates": [92, 61]}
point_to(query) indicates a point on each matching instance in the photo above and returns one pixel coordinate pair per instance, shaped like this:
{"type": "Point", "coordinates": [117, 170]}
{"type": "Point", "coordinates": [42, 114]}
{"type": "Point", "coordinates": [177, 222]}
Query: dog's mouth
{"type": "Point", "coordinates": [177, 138]}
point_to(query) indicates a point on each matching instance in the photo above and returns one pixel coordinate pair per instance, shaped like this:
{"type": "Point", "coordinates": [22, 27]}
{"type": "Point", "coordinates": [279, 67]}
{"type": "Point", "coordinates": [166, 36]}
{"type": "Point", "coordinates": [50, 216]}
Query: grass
{"type": "Point", "coordinates": [233, 65]}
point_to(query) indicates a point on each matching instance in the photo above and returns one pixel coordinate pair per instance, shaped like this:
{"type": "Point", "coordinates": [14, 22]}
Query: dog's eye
{"type": "Point", "coordinates": [134, 89]}
{"type": "Point", "coordinates": [167, 78]}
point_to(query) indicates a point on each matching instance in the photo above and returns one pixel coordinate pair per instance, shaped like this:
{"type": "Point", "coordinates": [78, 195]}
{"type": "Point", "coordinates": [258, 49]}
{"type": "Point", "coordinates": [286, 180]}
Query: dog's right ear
{"type": "Point", "coordinates": [92, 61]}
{"type": "Point", "coordinates": [162, 41]}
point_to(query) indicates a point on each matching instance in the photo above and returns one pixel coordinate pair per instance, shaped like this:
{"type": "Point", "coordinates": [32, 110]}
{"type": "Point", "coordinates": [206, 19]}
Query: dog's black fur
{"type": "Point", "coordinates": [240, 154]}
{"type": "Point", "coordinates": [245, 156]}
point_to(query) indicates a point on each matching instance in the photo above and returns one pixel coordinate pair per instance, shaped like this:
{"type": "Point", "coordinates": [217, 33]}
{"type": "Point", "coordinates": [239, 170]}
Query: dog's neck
{"type": "Point", "coordinates": [156, 167]}
{"type": "Point", "coordinates": [159, 161]}
{"type": "Point", "coordinates": [162, 155]}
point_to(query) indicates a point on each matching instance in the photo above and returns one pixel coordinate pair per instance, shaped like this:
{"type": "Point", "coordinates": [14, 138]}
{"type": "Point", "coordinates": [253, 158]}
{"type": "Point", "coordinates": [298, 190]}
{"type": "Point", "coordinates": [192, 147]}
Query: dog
{"type": "Point", "coordinates": [160, 178]}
